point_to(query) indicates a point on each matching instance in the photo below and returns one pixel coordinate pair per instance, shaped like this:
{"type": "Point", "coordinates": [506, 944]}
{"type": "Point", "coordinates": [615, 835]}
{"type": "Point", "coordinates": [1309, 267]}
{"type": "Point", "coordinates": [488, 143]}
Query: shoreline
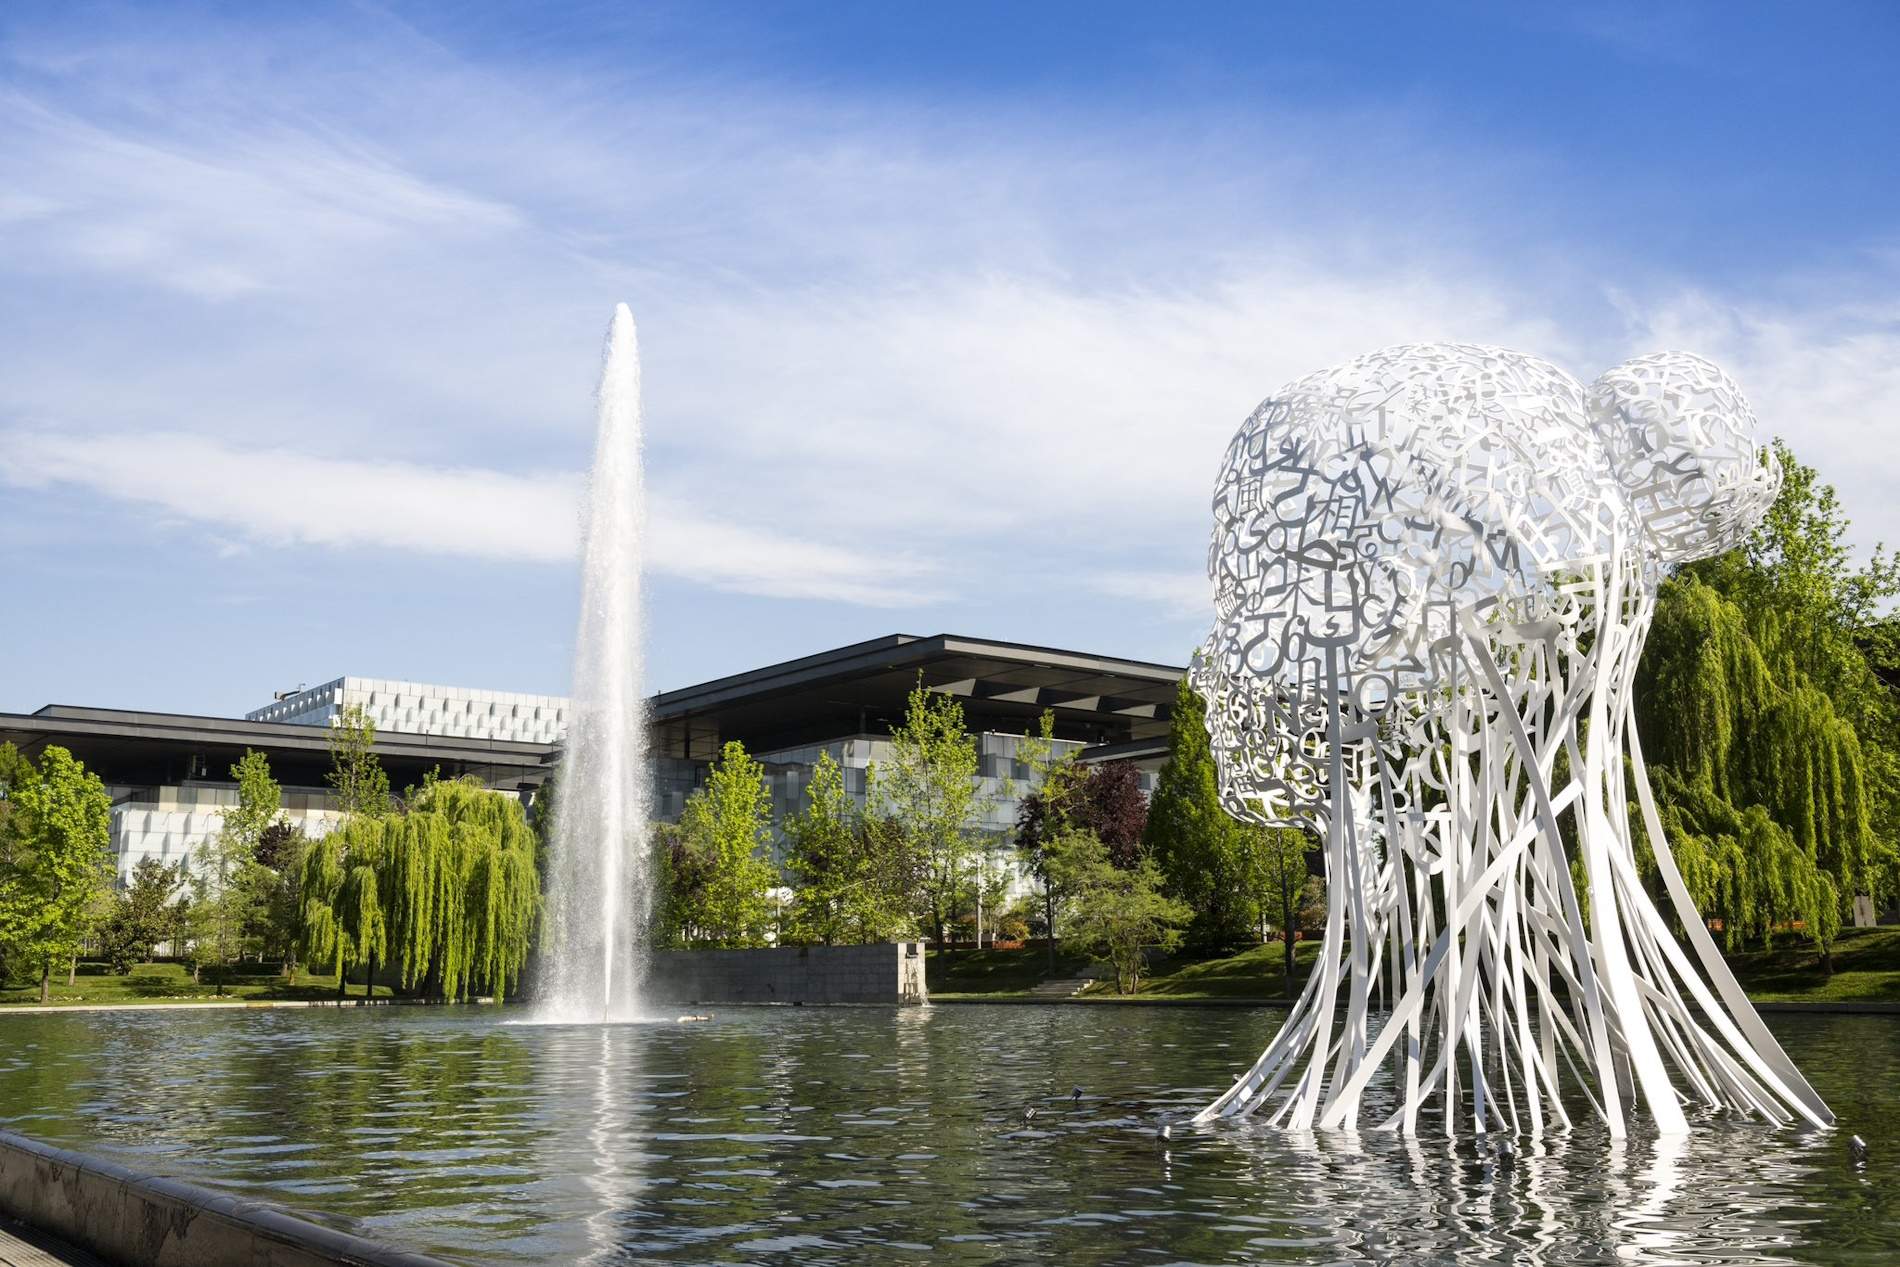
{"type": "Point", "coordinates": [1869, 1007]}
{"type": "Point", "coordinates": [41, 1009]}
{"type": "Point", "coordinates": [1850, 1006]}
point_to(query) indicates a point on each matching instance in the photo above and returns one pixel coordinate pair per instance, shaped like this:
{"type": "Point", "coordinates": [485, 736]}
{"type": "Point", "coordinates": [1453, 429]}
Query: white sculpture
{"type": "Point", "coordinates": [1434, 567]}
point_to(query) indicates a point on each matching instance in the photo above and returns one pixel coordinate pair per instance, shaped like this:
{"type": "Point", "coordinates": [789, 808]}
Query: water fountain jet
{"type": "Point", "coordinates": [598, 883]}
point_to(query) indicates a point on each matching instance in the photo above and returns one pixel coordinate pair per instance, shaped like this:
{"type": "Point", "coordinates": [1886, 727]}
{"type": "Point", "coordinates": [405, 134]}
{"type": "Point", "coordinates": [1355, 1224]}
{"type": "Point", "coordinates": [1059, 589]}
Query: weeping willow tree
{"type": "Point", "coordinates": [446, 890]}
{"type": "Point", "coordinates": [1770, 733]}
{"type": "Point", "coordinates": [483, 887]}
{"type": "Point", "coordinates": [343, 921]}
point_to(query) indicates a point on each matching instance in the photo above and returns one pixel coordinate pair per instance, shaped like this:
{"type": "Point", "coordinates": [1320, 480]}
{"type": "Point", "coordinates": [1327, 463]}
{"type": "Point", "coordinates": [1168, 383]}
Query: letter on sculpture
{"type": "Point", "coordinates": [1433, 568]}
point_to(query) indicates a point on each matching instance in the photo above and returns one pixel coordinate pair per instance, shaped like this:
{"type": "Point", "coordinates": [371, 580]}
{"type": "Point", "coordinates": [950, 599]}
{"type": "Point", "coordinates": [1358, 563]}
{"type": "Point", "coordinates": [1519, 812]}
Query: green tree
{"type": "Point", "coordinates": [55, 857]}
{"type": "Point", "coordinates": [461, 885]}
{"type": "Point", "coordinates": [140, 916]}
{"type": "Point", "coordinates": [824, 860]}
{"type": "Point", "coordinates": [1119, 911]}
{"type": "Point", "coordinates": [679, 884]}
{"type": "Point", "coordinates": [929, 790]}
{"type": "Point", "coordinates": [846, 888]}
{"type": "Point", "coordinates": [1192, 840]}
{"type": "Point", "coordinates": [446, 893]}
{"type": "Point", "coordinates": [1776, 649]}
{"type": "Point", "coordinates": [280, 851]}
{"type": "Point", "coordinates": [356, 775]}
{"type": "Point", "coordinates": [1275, 863]}
{"type": "Point", "coordinates": [1044, 816]}
{"type": "Point", "coordinates": [343, 921]}
{"type": "Point", "coordinates": [725, 831]}
{"type": "Point", "coordinates": [229, 889]}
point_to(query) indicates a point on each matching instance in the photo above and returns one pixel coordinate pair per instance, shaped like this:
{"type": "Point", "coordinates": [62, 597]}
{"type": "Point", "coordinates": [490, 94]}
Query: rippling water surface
{"type": "Point", "coordinates": [872, 1135]}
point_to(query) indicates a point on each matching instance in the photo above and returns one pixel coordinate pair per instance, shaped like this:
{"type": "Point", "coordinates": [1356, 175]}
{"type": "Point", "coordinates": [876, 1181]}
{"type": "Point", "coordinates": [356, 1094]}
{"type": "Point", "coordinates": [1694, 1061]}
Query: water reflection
{"type": "Point", "coordinates": [852, 1135]}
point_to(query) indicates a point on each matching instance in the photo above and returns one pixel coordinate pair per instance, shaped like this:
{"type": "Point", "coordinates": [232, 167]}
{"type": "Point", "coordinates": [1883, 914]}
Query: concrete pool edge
{"type": "Point", "coordinates": [151, 1221]}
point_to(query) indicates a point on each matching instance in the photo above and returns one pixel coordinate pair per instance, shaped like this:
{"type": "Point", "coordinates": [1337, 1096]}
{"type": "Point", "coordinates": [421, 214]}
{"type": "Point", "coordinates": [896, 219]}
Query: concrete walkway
{"type": "Point", "coordinates": [24, 1247]}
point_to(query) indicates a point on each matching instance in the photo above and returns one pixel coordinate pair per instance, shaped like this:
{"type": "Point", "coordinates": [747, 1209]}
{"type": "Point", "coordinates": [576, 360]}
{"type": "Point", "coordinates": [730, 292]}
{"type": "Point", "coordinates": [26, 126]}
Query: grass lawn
{"type": "Point", "coordinates": [1256, 973]}
{"type": "Point", "coordinates": [996, 973]}
{"type": "Point", "coordinates": [172, 983]}
{"type": "Point", "coordinates": [1866, 969]}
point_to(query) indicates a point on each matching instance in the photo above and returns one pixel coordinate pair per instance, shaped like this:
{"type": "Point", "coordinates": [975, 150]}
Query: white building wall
{"type": "Point", "coordinates": [170, 823]}
{"type": "Point", "coordinates": [414, 708]}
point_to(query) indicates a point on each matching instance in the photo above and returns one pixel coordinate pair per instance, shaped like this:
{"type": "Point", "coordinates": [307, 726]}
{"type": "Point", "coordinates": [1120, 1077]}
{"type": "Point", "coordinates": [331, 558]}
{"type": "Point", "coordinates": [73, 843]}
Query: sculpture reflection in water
{"type": "Point", "coordinates": [1344, 1196]}
{"type": "Point", "coordinates": [1434, 567]}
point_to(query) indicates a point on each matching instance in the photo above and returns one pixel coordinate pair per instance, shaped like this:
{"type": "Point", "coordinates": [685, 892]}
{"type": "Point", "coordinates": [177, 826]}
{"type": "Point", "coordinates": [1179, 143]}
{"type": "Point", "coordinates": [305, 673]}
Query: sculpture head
{"type": "Point", "coordinates": [1369, 513]}
{"type": "Point", "coordinates": [1681, 440]}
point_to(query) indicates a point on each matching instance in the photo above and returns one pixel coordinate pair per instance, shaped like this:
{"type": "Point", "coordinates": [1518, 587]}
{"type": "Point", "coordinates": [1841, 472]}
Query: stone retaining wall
{"type": "Point", "coordinates": [145, 1221]}
{"type": "Point", "coordinates": [813, 975]}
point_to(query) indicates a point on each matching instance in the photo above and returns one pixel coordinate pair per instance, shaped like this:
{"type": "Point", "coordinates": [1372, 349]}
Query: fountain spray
{"type": "Point", "coordinates": [599, 885]}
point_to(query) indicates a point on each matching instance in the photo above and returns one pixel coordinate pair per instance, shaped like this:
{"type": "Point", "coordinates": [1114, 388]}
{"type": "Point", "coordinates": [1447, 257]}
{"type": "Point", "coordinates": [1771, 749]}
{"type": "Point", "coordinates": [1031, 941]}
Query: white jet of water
{"type": "Point", "coordinates": [598, 882]}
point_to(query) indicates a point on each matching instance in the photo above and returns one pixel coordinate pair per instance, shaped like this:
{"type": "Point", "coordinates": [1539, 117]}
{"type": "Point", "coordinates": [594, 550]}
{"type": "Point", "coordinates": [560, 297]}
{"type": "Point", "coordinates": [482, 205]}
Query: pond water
{"type": "Point", "coordinates": [874, 1135]}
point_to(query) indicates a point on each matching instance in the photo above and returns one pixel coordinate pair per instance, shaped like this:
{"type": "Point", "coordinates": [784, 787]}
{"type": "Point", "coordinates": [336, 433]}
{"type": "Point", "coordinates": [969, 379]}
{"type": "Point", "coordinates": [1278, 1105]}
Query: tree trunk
{"type": "Point", "coordinates": [369, 982]}
{"type": "Point", "coordinates": [72, 971]}
{"type": "Point", "coordinates": [1286, 937]}
{"type": "Point", "coordinates": [46, 980]}
{"type": "Point", "coordinates": [1049, 920]}
{"type": "Point", "coordinates": [341, 977]}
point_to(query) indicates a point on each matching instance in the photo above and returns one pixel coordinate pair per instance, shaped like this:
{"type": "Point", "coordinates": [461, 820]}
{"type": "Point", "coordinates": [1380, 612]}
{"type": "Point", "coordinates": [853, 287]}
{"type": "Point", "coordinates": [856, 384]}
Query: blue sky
{"type": "Point", "coordinates": [947, 311]}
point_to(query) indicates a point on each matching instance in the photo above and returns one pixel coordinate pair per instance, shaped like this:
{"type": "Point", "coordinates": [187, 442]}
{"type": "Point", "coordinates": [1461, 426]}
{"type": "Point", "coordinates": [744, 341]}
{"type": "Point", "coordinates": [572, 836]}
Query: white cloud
{"type": "Point", "coordinates": [1824, 375]}
{"type": "Point", "coordinates": [1186, 595]}
{"type": "Point", "coordinates": [254, 208]}
{"type": "Point", "coordinates": [278, 497]}
{"type": "Point", "coordinates": [891, 354]}
{"type": "Point", "coordinates": [1020, 406]}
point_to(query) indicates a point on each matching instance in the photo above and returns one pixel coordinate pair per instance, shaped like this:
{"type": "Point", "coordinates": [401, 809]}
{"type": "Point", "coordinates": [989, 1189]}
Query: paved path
{"type": "Point", "coordinates": [23, 1247]}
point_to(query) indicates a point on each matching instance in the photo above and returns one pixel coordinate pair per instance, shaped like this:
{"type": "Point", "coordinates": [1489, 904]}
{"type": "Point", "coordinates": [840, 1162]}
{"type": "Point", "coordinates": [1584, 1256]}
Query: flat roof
{"type": "Point", "coordinates": [862, 688]}
{"type": "Point", "coordinates": [130, 740]}
{"type": "Point", "coordinates": [857, 689]}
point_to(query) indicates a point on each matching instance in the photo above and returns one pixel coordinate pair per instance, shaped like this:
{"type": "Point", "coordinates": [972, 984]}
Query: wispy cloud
{"type": "Point", "coordinates": [278, 497]}
{"type": "Point", "coordinates": [1186, 595]}
{"type": "Point", "coordinates": [342, 289]}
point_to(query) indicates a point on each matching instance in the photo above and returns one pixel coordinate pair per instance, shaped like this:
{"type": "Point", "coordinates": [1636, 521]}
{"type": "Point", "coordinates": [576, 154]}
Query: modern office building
{"type": "Point", "coordinates": [847, 701]}
{"type": "Point", "coordinates": [415, 709]}
{"type": "Point", "coordinates": [170, 774]}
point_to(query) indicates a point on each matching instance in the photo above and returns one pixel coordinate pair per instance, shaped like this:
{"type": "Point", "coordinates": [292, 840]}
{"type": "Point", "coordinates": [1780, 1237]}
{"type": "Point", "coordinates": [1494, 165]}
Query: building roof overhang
{"type": "Point", "coordinates": [862, 688]}
{"type": "Point", "coordinates": [134, 739]}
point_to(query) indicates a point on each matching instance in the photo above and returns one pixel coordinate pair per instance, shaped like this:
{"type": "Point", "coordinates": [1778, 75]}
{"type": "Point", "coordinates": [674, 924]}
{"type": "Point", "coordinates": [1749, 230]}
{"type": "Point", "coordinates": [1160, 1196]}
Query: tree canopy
{"type": "Point", "coordinates": [1197, 848]}
{"type": "Point", "coordinates": [850, 877]}
{"type": "Point", "coordinates": [717, 876]}
{"type": "Point", "coordinates": [929, 791]}
{"type": "Point", "coordinates": [1768, 717]}
{"type": "Point", "coordinates": [55, 856]}
{"type": "Point", "coordinates": [446, 892]}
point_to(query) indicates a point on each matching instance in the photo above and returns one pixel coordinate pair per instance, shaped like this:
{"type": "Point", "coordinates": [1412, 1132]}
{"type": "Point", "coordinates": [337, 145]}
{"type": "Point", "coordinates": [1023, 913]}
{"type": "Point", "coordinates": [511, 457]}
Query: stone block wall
{"type": "Point", "coordinates": [892, 972]}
